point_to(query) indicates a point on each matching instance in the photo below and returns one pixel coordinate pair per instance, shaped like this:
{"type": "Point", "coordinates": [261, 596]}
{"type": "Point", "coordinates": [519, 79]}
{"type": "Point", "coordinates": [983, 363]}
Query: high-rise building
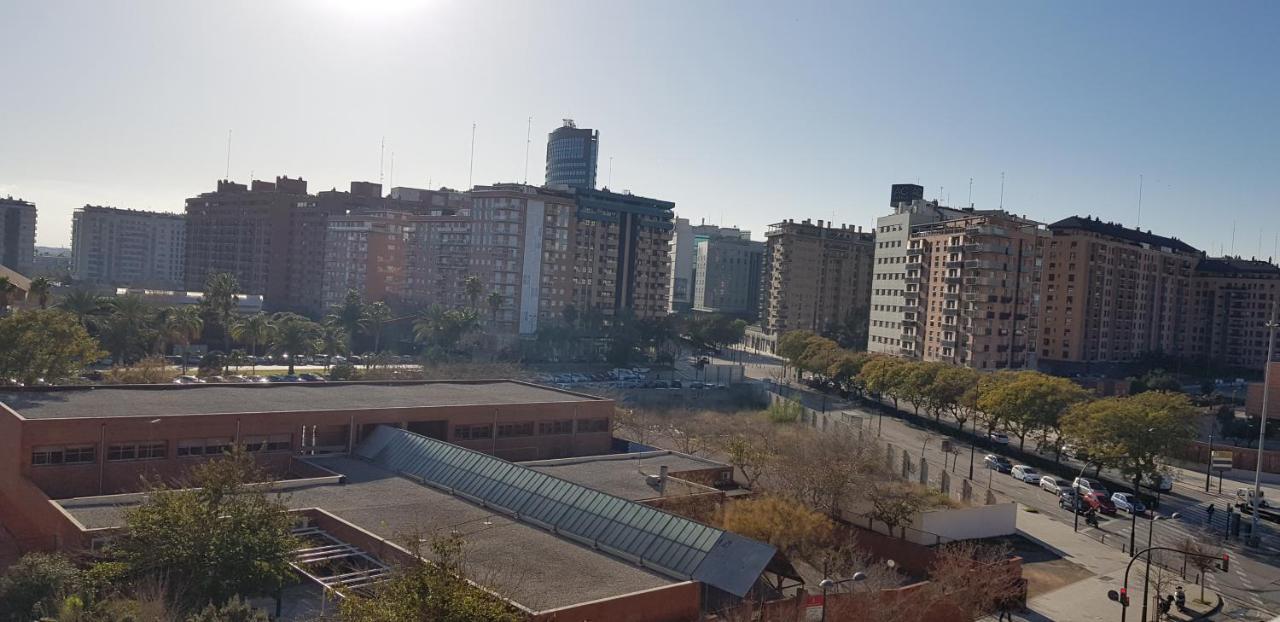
{"type": "Point", "coordinates": [364, 251]}
{"type": "Point", "coordinates": [17, 234]}
{"type": "Point", "coordinates": [128, 248]}
{"type": "Point", "coordinates": [728, 267]}
{"type": "Point", "coordinates": [1230, 305]}
{"type": "Point", "coordinates": [621, 245]}
{"type": "Point", "coordinates": [571, 156]}
{"type": "Point", "coordinates": [816, 277]}
{"type": "Point", "coordinates": [249, 233]}
{"type": "Point", "coordinates": [971, 291]}
{"type": "Point", "coordinates": [1113, 295]}
{"type": "Point", "coordinates": [887, 281]}
{"type": "Point", "coordinates": [680, 297]}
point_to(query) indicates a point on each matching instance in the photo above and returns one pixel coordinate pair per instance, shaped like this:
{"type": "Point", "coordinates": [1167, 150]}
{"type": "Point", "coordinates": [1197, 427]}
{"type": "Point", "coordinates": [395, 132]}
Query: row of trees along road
{"type": "Point", "coordinates": [1131, 433]}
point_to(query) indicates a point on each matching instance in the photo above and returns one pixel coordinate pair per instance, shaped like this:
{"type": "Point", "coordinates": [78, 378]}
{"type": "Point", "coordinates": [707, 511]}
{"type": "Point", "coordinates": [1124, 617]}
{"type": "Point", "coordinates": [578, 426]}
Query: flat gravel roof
{"type": "Point", "coordinates": [210, 399]}
{"type": "Point", "coordinates": [627, 476]}
{"type": "Point", "coordinates": [528, 565]}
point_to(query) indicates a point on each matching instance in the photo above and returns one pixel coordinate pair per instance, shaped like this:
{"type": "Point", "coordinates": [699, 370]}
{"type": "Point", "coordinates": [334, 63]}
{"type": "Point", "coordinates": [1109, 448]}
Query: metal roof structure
{"type": "Point", "coordinates": [666, 543]}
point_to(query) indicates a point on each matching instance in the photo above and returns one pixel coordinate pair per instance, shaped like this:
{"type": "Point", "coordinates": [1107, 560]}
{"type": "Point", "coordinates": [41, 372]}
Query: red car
{"type": "Point", "coordinates": [1100, 502]}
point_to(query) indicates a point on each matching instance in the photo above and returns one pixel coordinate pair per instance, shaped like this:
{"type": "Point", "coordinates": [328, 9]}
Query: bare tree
{"type": "Point", "coordinates": [894, 504]}
{"type": "Point", "coordinates": [1197, 555]}
{"type": "Point", "coordinates": [974, 578]}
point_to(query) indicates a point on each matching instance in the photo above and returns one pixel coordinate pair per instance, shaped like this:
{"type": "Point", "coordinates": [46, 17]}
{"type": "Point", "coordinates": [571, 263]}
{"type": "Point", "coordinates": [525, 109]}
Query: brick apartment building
{"type": "Point", "coordinates": [1231, 302]}
{"type": "Point", "coordinates": [17, 235]}
{"type": "Point", "coordinates": [971, 294]}
{"type": "Point", "coordinates": [621, 249]}
{"type": "Point", "coordinates": [128, 248]}
{"type": "Point", "coordinates": [815, 276]}
{"type": "Point", "coordinates": [364, 252]}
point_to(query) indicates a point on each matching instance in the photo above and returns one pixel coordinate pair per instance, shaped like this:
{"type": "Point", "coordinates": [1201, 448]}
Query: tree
{"type": "Point", "coordinates": [884, 375]}
{"type": "Point", "coordinates": [916, 378]}
{"type": "Point", "coordinates": [895, 504]}
{"type": "Point", "coordinates": [973, 579]}
{"type": "Point", "coordinates": [129, 331]}
{"type": "Point", "coordinates": [349, 314]}
{"type": "Point", "coordinates": [1201, 556]}
{"type": "Point", "coordinates": [219, 303]}
{"type": "Point", "coordinates": [952, 389]}
{"type": "Point", "coordinates": [474, 288]}
{"type": "Point", "coordinates": [1133, 433]}
{"type": "Point", "coordinates": [845, 371]}
{"type": "Point", "coordinates": [792, 344]}
{"type": "Point", "coordinates": [494, 300]}
{"type": "Point", "coordinates": [84, 305]}
{"type": "Point", "coordinates": [235, 610]}
{"type": "Point", "coordinates": [444, 329]}
{"type": "Point", "coordinates": [435, 590]}
{"type": "Point", "coordinates": [217, 538]}
{"type": "Point", "coordinates": [375, 320]}
{"type": "Point", "coordinates": [255, 330]}
{"type": "Point", "coordinates": [181, 326]}
{"type": "Point", "coordinates": [47, 343]}
{"type": "Point", "coordinates": [569, 314]}
{"type": "Point", "coordinates": [990, 411]}
{"type": "Point", "coordinates": [33, 587]}
{"type": "Point", "coordinates": [7, 290]}
{"type": "Point", "coordinates": [1031, 401]}
{"type": "Point", "coordinates": [294, 336]}
{"type": "Point", "coordinates": [794, 529]}
{"type": "Point", "coordinates": [827, 470]}
{"type": "Point", "coordinates": [785, 411]}
{"type": "Point", "coordinates": [41, 287]}
{"type": "Point", "coordinates": [333, 341]}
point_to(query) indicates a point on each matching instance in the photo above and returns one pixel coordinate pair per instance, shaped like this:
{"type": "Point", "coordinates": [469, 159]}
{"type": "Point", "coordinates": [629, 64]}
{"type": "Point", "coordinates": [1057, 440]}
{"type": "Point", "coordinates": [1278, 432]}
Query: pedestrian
{"type": "Point", "coordinates": [1212, 508]}
{"type": "Point", "coordinates": [1180, 599]}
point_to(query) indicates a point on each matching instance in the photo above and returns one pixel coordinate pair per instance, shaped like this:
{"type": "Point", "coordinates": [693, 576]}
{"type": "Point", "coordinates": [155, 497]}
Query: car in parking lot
{"type": "Point", "coordinates": [1129, 503]}
{"type": "Point", "coordinates": [999, 438]}
{"type": "Point", "coordinates": [312, 377]}
{"type": "Point", "coordinates": [1025, 473]}
{"type": "Point", "coordinates": [998, 463]}
{"type": "Point", "coordinates": [1088, 485]}
{"type": "Point", "coordinates": [1067, 498]}
{"type": "Point", "coordinates": [1054, 485]}
{"type": "Point", "coordinates": [1099, 502]}
{"type": "Point", "coordinates": [188, 380]}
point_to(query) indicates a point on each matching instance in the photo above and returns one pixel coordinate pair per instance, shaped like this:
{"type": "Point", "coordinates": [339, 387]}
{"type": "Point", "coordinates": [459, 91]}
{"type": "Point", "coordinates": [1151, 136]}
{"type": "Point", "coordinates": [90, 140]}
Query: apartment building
{"type": "Point", "coordinates": [17, 234]}
{"type": "Point", "coordinates": [128, 248]}
{"type": "Point", "coordinates": [1231, 301]}
{"type": "Point", "coordinates": [728, 267]}
{"type": "Point", "coordinates": [893, 233]}
{"type": "Point", "coordinates": [1113, 295]}
{"type": "Point", "coordinates": [621, 253]}
{"type": "Point", "coordinates": [815, 276]}
{"type": "Point", "coordinates": [249, 232]}
{"type": "Point", "coordinates": [972, 294]}
{"type": "Point", "coordinates": [364, 252]}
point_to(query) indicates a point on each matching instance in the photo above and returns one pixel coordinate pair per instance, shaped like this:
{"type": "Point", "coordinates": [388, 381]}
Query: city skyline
{"type": "Point", "coordinates": [813, 118]}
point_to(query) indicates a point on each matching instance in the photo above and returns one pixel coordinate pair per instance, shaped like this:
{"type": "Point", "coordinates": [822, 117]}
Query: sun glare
{"type": "Point", "coordinates": [374, 9]}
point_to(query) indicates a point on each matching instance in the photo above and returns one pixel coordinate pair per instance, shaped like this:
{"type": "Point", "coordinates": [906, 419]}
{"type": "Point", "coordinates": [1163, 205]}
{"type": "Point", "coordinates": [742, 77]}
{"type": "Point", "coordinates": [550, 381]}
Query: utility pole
{"type": "Point", "coordinates": [1262, 423]}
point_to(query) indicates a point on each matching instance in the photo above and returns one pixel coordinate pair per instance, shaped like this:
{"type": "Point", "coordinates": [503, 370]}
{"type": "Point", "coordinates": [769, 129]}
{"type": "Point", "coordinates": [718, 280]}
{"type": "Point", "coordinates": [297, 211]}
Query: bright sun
{"type": "Point", "coordinates": [375, 8]}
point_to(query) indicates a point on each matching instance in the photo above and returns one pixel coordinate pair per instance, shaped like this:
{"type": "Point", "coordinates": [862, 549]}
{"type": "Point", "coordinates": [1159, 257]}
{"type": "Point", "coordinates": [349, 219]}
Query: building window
{"type": "Point", "coordinates": [70, 454]}
{"type": "Point", "coordinates": [472, 432]}
{"type": "Point", "coordinates": [138, 450]}
{"type": "Point", "coordinates": [274, 442]}
{"type": "Point", "coordinates": [509, 430]}
{"type": "Point", "coordinates": [593, 425]}
{"type": "Point", "coordinates": [563, 426]}
{"type": "Point", "coordinates": [203, 446]}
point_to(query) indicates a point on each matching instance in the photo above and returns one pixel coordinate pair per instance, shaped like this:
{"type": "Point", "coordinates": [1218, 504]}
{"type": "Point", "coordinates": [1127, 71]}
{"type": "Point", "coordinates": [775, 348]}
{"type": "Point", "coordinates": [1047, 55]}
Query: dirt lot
{"type": "Point", "coordinates": [1044, 570]}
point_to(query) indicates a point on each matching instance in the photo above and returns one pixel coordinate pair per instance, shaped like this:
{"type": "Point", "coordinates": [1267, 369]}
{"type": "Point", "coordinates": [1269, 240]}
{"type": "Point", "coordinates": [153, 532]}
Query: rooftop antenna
{"type": "Point", "coordinates": [227, 176]}
{"type": "Point", "coordinates": [610, 170]}
{"type": "Point", "coordinates": [1233, 238]}
{"type": "Point", "coordinates": [382, 156]}
{"type": "Point", "coordinates": [1001, 189]}
{"type": "Point", "coordinates": [471, 174]}
{"type": "Point", "coordinates": [1139, 225]}
{"type": "Point", "coordinates": [970, 192]}
{"type": "Point", "coordinates": [528, 136]}
{"type": "Point", "coordinates": [391, 181]}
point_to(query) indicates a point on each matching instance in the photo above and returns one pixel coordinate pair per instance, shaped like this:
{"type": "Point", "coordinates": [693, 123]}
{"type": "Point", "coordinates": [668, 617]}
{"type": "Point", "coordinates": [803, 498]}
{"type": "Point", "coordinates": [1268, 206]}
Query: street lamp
{"type": "Point", "coordinates": [1262, 423]}
{"type": "Point", "coordinates": [1075, 499]}
{"type": "Point", "coordinates": [1133, 530]}
{"type": "Point", "coordinates": [1146, 575]}
{"type": "Point", "coordinates": [827, 584]}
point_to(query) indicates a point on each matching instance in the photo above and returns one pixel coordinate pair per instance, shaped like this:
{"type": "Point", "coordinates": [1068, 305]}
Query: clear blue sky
{"type": "Point", "coordinates": [740, 112]}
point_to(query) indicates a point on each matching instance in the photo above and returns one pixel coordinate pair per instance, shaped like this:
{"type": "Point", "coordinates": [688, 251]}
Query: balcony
{"type": "Point", "coordinates": [910, 338]}
{"type": "Point", "coordinates": [951, 296]}
{"type": "Point", "coordinates": [910, 278]}
{"type": "Point", "coordinates": [951, 280]}
{"type": "Point", "coordinates": [915, 252]}
{"type": "Point", "coordinates": [910, 322]}
{"type": "Point", "coordinates": [914, 264]}
{"type": "Point", "coordinates": [948, 343]}
{"type": "Point", "coordinates": [954, 248]}
{"type": "Point", "coordinates": [955, 264]}
{"type": "Point", "coordinates": [951, 311]}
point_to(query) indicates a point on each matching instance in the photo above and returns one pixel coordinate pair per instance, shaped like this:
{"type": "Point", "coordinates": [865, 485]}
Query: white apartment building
{"type": "Point", "coordinates": [128, 248]}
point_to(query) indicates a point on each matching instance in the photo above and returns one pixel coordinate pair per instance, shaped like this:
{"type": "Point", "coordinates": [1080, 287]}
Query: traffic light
{"type": "Point", "coordinates": [1226, 563]}
{"type": "Point", "coordinates": [1124, 597]}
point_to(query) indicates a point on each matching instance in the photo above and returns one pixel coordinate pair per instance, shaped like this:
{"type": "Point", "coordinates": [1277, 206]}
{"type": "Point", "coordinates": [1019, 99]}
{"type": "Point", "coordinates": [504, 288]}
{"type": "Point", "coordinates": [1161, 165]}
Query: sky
{"type": "Point", "coordinates": [742, 113]}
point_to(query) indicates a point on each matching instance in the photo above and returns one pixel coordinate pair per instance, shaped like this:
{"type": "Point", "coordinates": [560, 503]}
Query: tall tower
{"type": "Point", "coordinates": [571, 156]}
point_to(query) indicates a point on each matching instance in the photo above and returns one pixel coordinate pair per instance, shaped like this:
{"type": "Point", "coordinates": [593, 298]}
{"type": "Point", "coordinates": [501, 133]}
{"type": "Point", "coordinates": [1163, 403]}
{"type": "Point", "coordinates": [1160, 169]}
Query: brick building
{"type": "Point", "coordinates": [621, 248]}
{"type": "Point", "coordinates": [365, 252]}
{"type": "Point", "coordinates": [815, 276]}
{"type": "Point", "coordinates": [1231, 301]}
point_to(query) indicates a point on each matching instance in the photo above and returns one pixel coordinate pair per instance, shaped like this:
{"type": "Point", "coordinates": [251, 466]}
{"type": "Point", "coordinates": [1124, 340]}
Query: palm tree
{"type": "Point", "coordinates": [333, 341]}
{"type": "Point", "coordinates": [295, 336]}
{"type": "Point", "coordinates": [473, 288]}
{"type": "Point", "coordinates": [375, 318]}
{"type": "Point", "coordinates": [85, 305]}
{"type": "Point", "coordinates": [220, 302]}
{"type": "Point", "coordinates": [254, 330]}
{"type": "Point", "coordinates": [7, 288]}
{"type": "Point", "coordinates": [181, 326]}
{"type": "Point", "coordinates": [40, 288]}
{"type": "Point", "coordinates": [495, 302]}
{"type": "Point", "coordinates": [129, 331]}
{"type": "Point", "coordinates": [349, 314]}
{"type": "Point", "coordinates": [444, 329]}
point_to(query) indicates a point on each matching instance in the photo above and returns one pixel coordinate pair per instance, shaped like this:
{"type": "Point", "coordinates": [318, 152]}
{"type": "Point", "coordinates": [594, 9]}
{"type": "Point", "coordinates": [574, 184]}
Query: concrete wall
{"type": "Point", "coordinates": [984, 521]}
{"type": "Point", "coordinates": [1253, 399]}
{"type": "Point", "coordinates": [673, 603]}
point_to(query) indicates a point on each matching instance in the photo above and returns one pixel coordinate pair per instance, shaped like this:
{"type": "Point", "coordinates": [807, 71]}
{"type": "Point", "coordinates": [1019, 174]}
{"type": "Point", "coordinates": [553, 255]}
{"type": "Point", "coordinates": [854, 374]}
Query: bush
{"type": "Point", "coordinates": [150, 370]}
{"type": "Point", "coordinates": [35, 586]}
{"type": "Point", "coordinates": [235, 610]}
{"type": "Point", "coordinates": [784, 411]}
{"type": "Point", "coordinates": [344, 371]}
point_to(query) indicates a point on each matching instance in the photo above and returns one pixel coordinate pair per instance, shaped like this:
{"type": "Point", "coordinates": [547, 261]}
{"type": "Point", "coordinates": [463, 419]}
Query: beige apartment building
{"type": "Point", "coordinates": [1231, 302]}
{"type": "Point", "coordinates": [364, 252]}
{"type": "Point", "coordinates": [972, 295]}
{"type": "Point", "coordinates": [815, 276]}
{"type": "Point", "coordinates": [621, 253]}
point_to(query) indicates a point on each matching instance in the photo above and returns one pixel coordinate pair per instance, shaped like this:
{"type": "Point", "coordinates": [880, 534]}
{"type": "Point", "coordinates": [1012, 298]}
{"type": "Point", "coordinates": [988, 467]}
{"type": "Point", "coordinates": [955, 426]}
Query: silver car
{"type": "Point", "coordinates": [1055, 485]}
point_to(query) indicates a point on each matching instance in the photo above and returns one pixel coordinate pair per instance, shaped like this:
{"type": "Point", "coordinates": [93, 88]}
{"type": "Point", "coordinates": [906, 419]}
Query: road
{"type": "Point", "coordinates": [1252, 585]}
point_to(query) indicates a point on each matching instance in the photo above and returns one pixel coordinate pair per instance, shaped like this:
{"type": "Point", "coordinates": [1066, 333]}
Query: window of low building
{"type": "Point", "coordinates": [593, 425]}
{"type": "Point", "coordinates": [203, 446]}
{"type": "Point", "coordinates": [137, 450]}
{"type": "Point", "coordinates": [274, 442]}
{"type": "Point", "coordinates": [472, 432]}
{"type": "Point", "coordinates": [509, 430]}
{"type": "Point", "coordinates": [563, 426]}
{"type": "Point", "coordinates": [63, 454]}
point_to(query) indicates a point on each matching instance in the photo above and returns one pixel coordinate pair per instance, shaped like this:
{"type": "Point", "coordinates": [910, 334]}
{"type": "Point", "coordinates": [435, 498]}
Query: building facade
{"type": "Point", "coordinates": [622, 253]}
{"type": "Point", "coordinates": [972, 291]}
{"type": "Point", "coordinates": [571, 156]}
{"type": "Point", "coordinates": [364, 252]}
{"type": "Point", "coordinates": [893, 233]}
{"type": "Point", "coordinates": [17, 234]}
{"type": "Point", "coordinates": [1231, 301]}
{"type": "Point", "coordinates": [128, 248]}
{"type": "Point", "coordinates": [728, 267]}
{"type": "Point", "coordinates": [815, 276]}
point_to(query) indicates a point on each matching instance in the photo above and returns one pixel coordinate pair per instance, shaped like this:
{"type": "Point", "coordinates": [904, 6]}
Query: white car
{"type": "Point", "coordinates": [999, 438]}
{"type": "Point", "coordinates": [1087, 486]}
{"type": "Point", "coordinates": [1055, 485]}
{"type": "Point", "coordinates": [1025, 473]}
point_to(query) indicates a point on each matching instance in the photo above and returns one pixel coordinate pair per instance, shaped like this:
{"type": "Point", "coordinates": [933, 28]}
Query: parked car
{"type": "Point", "coordinates": [1162, 482]}
{"type": "Point", "coordinates": [284, 378]}
{"type": "Point", "coordinates": [1129, 503]}
{"type": "Point", "coordinates": [999, 438]}
{"type": "Point", "coordinates": [187, 380]}
{"type": "Point", "coordinates": [1088, 485]}
{"type": "Point", "coordinates": [999, 463]}
{"type": "Point", "coordinates": [312, 377]}
{"type": "Point", "coordinates": [1067, 498]}
{"type": "Point", "coordinates": [215, 379]}
{"type": "Point", "coordinates": [1054, 485]}
{"type": "Point", "coordinates": [1025, 473]}
{"type": "Point", "coordinates": [1099, 502]}
{"type": "Point", "coordinates": [237, 378]}
{"type": "Point", "coordinates": [259, 379]}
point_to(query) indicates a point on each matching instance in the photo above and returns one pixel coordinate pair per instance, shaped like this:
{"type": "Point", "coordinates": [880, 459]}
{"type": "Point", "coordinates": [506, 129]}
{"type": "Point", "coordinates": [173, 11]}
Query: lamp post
{"type": "Point", "coordinates": [1262, 420]}
{"type": "Point", "coordinates": [1075, 499]}
{"type": "Point", "coordinates": [1146, 574]}
{"type": "Point", "coordinates": [827, 584]}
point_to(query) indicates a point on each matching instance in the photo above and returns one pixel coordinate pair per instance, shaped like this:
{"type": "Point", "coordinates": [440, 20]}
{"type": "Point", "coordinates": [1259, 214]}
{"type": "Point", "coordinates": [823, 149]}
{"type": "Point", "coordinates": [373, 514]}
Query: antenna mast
{"type": "Point", "coordinates": [227, 176]}
{"type": "Point", "coordinates": [392, 180]}
{"type": "Point", "coordinates": [528, 137]}
{"type": "Point", "coordinates": [1140, 201]}
{"type": "Point", "coordinates": [1001, 189]}
{"type": "Point", "coordinates": [382, 156]}
{"type": "Point", "coordinates": [970, 192]}
{"type": "Point", "coordinates": [610, 170]}
{"type": "Point", "coordinates": [471, 173]}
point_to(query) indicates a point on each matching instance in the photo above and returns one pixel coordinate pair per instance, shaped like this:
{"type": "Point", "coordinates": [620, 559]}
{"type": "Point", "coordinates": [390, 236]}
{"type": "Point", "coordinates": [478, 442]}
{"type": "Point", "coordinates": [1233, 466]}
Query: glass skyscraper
{"type": "Point", "coordinates": [571, 156]}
